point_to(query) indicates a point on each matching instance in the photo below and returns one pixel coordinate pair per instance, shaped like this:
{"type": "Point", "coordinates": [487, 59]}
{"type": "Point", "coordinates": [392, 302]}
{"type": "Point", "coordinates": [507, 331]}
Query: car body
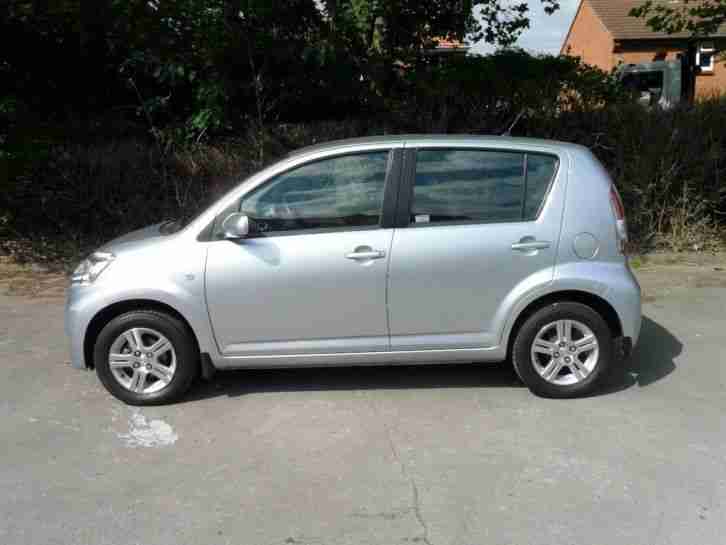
{"type": "Point", "coordinates": [383, 250]}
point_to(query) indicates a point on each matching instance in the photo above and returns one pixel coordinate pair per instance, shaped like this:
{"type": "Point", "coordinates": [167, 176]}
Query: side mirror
{"type": "Point", "coordinates": [236, 226]}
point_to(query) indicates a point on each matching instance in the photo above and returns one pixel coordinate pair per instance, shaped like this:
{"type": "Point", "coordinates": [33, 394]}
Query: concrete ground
{"type": "Point", "coordinates": [445, 455]}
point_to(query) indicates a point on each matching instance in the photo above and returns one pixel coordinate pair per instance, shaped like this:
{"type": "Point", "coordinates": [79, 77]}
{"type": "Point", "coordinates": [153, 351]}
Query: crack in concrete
{"type": "Point", "coordinates": [416, 507]}
{"type": "Point", "coordinates": [387, 515]}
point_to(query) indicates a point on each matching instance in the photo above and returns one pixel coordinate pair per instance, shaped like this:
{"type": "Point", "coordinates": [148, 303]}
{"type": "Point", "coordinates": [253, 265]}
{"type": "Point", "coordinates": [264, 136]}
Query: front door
{"type": "Point", "coordinates": [312, 280]}
{"type": "Point", "coordinates": [475, 227]}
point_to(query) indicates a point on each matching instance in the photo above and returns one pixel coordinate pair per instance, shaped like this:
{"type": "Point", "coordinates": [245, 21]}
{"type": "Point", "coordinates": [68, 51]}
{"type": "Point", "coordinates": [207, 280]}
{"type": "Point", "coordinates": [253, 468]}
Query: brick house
{"type": "Point", "coordinates": [604, 35]}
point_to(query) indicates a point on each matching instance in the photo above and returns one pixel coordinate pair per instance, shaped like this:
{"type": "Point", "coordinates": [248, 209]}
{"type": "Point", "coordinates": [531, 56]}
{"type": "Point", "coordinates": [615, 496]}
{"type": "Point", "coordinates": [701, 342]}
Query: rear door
{"type": "Point", "coordinates": [473, 226]}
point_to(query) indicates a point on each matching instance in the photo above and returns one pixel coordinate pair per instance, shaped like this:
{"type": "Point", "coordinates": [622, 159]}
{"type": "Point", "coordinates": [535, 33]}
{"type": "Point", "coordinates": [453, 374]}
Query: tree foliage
{"type": "Point", "coordinates": [405, 29]}
{"type": "Point", "coordinates": [697, 17]}
{"type": "Point", "coordinates": [216, 64]}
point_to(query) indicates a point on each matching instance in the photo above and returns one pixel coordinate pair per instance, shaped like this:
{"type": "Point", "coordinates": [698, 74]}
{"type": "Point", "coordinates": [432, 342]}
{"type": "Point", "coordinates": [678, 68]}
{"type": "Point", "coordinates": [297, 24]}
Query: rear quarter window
{"type": "Point", "coordinates": [541, 171]}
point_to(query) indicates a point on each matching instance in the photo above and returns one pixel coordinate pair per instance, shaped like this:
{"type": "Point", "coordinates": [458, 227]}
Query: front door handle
{"type": "Point", "coordinates": [530, 245]}
{"type": "Point", "coordinates": [365, 254]}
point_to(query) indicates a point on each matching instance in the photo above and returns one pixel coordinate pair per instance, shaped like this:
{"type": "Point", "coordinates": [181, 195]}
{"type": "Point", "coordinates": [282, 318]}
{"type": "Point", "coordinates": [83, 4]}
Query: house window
{"type": "Point", "coordinates": [705, 57]}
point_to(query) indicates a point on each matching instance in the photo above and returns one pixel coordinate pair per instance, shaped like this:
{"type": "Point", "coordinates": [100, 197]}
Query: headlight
{"type": "Point", "coordinates": [92, 267]}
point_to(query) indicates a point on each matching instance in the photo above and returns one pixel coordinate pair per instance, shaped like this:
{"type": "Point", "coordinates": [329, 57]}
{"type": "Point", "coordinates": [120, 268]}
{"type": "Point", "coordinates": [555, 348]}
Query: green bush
{"type": "Point", "coordinates": [486, 94]}
{"type": "Point", "coordinates": [669, 166]}
{"type": "Point", "coordinates": [66, 189]}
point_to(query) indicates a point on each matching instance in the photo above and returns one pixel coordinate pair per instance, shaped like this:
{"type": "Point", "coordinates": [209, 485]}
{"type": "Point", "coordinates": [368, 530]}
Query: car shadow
{"type": "Point", "coordinates": [651, 361]}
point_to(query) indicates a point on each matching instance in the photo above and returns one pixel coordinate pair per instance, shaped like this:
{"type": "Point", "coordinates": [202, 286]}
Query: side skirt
{"type": "Point", "coordinates": [408, 357]}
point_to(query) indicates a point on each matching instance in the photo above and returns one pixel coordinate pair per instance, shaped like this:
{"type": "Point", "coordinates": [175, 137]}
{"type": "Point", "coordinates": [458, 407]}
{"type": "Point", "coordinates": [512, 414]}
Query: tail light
{"type": "Point", "coordinates": [621, 226]}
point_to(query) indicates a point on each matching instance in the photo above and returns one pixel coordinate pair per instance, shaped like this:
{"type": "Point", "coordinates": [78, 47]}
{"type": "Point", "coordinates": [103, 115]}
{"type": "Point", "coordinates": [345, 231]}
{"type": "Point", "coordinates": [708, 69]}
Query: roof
{"type": "Point", "coordinates": [614, 15]}
{"type": "Point", "coordinates": [413, 140]}
{"type": "Point", "coordinates": [443, 43]}
{"type": "Point", "coordinates": [444, 46]}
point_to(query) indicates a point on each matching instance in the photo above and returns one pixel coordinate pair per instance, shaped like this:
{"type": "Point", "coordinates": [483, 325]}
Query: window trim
{"type": "Point", "coordinates": [389, 202]}
{"type": "Point", "coordinates": [408, 181]}
{"type": "Point", "coordinates": [707, 48]}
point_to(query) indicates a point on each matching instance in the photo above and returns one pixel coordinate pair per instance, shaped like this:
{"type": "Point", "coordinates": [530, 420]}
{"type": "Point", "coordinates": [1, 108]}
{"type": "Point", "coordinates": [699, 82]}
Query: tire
{"type": "Point", "coordinates": [537, 366]}
{"type": "Point", "coordinates": [154, 374]}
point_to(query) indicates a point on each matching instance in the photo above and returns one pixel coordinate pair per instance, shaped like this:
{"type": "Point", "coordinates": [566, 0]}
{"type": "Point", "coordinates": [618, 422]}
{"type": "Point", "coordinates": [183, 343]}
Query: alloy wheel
{"type": "Point", "coordinates": [142, 360]}
{"type": "Point", "coordinates": [565, 352]}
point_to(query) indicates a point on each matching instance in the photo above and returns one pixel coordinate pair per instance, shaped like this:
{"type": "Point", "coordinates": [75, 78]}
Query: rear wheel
{"type": "Point", "coordinates": [146, 357]}
{"type": "Point", "coordinates": [563, 350]}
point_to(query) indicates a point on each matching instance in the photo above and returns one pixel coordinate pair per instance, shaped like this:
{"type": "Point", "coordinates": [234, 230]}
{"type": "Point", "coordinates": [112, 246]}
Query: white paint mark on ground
{"type": "Point", "coordinates": [147, 433]}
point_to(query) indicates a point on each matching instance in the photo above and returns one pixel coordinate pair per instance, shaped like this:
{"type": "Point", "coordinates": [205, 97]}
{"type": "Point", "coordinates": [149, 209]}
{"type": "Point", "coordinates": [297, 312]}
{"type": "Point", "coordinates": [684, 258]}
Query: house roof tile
{"type": "Point", "coordinates": [614, 15]}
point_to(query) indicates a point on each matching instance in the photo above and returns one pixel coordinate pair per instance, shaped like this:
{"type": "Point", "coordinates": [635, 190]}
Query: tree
{"type": "Point", "coordinates": [210, 65]}
{"type": "Point", "coordinates": [697, 17]}
{"type": "Point", "coordinates": [408, 26]}
{"type": "Point", "coordinates": [380, 35]}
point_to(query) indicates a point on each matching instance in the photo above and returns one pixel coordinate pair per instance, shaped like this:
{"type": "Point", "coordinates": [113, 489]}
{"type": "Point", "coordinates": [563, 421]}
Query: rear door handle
{"type": "Point", "coordinates": [366, 255]}
{"type": "Point", "coordinates": [530, 246]}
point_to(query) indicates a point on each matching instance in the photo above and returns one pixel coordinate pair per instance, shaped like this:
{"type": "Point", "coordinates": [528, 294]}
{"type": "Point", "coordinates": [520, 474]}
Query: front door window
{"type": "Point", "coordinates": [341, 192]}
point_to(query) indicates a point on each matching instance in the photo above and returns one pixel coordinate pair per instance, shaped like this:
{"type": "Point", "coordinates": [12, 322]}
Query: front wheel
{"type": "Point", "coordinates": [146, 357]}
{"type": "Point", "coordinates": [563, 350]}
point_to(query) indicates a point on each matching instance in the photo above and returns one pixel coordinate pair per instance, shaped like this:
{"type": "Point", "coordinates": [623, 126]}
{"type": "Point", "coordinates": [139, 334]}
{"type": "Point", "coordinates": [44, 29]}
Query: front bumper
{"type": "Point", "coordinates": [77, 318]}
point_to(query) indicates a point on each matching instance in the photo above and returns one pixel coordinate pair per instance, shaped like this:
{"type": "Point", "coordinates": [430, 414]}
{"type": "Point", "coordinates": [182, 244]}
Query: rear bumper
{"type": "Point", "coordinates": [624, 295]}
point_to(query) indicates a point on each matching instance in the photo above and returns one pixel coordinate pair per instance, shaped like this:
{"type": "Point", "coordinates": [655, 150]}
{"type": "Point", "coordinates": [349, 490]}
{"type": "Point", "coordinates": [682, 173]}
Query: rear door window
{"type": "Point", "coordinates": [479, 186]}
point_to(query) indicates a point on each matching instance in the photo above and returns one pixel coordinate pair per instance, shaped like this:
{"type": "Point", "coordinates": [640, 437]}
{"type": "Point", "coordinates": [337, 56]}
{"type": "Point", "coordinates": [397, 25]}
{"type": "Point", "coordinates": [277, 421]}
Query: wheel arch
{"type": "Point", "coordinates": [595, 302]}
{"type": "Point", "coordinates": [105, 315]}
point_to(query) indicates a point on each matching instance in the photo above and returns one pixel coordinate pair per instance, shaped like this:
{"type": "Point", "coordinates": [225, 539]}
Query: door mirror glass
{"type": "Point", "coordinates": [236, 226]}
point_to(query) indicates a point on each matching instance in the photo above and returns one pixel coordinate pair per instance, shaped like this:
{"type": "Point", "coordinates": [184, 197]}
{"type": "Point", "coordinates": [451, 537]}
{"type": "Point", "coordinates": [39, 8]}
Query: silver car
{"type": "Point", "coordinates": [386, 250]}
